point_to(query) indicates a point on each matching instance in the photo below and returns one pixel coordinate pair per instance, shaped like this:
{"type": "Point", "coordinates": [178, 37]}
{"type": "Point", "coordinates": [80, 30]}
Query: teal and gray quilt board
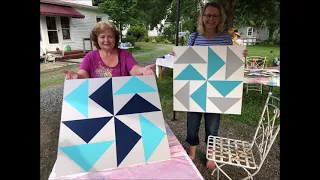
{"type": "Point", "coordinates": [208, 79]}
{"type": "Point", "coordinates": [109, 123]}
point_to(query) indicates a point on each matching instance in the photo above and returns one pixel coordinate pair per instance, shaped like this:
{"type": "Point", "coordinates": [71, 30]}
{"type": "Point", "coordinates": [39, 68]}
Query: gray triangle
{"type": "Point", "coordinates": [190, 56]}
{"type": "Point", "coordinates": [233, 63]}
{"type": "Point", "coordinates": [183, 95]}
{"type": "Point", "coordinates": [223, 103]}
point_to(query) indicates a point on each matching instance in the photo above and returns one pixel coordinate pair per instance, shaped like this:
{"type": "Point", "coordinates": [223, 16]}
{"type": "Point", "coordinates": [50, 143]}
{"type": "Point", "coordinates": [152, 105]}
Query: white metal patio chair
{"type": "Point", "coordinates": [255, 62]}
{"type": "Point", "coordinates": [49, 56]}
{"type": "Point", "coordinates": [248, 155]}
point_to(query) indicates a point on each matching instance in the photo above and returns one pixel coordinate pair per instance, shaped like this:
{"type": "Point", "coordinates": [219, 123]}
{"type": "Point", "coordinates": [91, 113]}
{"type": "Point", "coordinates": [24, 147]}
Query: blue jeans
{"type": "Point", "coordinates": [212, 122]}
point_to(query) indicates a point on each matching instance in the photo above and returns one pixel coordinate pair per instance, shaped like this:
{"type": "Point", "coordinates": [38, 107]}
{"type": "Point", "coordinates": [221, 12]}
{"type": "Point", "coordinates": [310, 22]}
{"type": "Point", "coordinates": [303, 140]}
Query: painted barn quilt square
{"type": "Point", "coordinates": [108, 123]}
{"type": "Point", "coordinates": [208, 79]}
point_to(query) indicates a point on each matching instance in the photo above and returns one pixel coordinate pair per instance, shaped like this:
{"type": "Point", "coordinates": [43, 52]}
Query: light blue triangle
{"type": "Point", "coordinates": [151, 136]}
{"type": "Point", "coordinates": [78, 98]}
{"type": "Point", "coordinates": [190, 73]}
{"type": "Point", "coordinates": [86, 155]}
{"type": "Point", "coordinates": [224, 87]}
{"type": "Point", "coordinates": [134, 85]}
{"type": "Point", "coordinates": [200, 96]}
{"type": "Point", "coordinates": [214, 62]}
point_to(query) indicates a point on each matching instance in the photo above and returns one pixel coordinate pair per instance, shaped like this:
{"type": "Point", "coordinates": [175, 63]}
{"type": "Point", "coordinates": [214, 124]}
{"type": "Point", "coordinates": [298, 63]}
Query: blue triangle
{"type": "Point", "coordinates": [126, 139]}
{"type": "Point", "coordinates": [78, 98]}
{"type": "Point", "coordinates": [151, 136]}
{"type": "Point", "coordinates": [134, 85]}
{"type": "Point", "coordinates": [214, 62]}
{"type": "Point", "coordinates": [103, 96]}
{"type": "Point", "coordinates": [86, 155]}
{"type": "Point", "coordinates": [224, 87]}
{"type": "Point", "coordinates": [137, 104]}
{"type": "Point", "coordinates": [87, 128]}
{"type": "Point", "coordinates": [189, 73]}
{"type": "Point", "coordinates": [200, 96]}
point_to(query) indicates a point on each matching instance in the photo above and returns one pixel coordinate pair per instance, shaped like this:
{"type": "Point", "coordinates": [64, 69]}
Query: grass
{"type": "Point", "coordinates": [261, 50]}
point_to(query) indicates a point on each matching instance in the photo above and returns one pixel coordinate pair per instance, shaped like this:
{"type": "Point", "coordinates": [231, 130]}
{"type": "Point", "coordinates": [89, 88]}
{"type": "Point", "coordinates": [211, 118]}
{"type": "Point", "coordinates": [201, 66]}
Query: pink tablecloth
{"type": "Point", "coordinates": [179, 167]}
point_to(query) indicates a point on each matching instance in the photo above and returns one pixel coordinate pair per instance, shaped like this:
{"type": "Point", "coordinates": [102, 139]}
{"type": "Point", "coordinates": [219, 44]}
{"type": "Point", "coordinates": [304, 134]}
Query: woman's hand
{"type": "Point", "coordinates": [70, 74]}
{"type": "Point", "coordinates": [148, 70]}
{"type": "Point", "coordinates": [172, 53]}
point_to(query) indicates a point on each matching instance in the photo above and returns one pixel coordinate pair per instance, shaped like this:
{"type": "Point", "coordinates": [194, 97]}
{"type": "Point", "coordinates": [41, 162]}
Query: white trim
{"type": "Point", "coordinates": [58, 2]}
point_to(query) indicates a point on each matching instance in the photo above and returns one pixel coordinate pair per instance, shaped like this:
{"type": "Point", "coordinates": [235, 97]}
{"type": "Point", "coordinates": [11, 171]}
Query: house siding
{"type": "Point", "coordinates": [79, 28]}
{"type": "Point", "coordinates": [259, 34]}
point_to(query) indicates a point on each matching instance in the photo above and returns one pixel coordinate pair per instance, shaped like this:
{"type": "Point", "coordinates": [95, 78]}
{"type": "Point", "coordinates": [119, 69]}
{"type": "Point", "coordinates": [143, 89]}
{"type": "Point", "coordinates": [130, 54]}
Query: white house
{"type": "Point", "coordinates": [250, 35]}
{"type": "Point", "coordinates": [65, 23]}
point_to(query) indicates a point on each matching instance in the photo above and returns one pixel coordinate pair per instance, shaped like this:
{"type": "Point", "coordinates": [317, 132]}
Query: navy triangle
{"type": "Point", "coordinates": [104, 96]}
{"type": "Point", "coordinates": [137, 104]}
{"type": "Point", "coordinates": [86, 129]}
{"type": "Point", "coordinates": [126, 139]}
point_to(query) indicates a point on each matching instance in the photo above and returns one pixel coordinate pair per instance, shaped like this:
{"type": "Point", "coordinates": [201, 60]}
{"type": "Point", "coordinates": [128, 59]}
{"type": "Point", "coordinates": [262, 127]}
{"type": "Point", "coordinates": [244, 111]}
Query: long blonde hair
{"type": "Point", "coordinates": [220, 26]}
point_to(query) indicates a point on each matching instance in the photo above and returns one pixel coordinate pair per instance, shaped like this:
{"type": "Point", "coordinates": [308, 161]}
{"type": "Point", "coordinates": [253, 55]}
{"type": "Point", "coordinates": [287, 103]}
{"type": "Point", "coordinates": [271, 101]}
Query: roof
{"type": "Point", "coordinates": [64, 3]}
{"type": "Point", "coordinates": [58, 10]}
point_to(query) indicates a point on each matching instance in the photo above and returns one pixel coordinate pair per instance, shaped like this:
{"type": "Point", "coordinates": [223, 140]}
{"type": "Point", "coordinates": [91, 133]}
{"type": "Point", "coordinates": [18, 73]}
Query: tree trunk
{"type": "Point", "coordinates": [120, 32]}
{"type": "Point", "coordinates": [229, 8]}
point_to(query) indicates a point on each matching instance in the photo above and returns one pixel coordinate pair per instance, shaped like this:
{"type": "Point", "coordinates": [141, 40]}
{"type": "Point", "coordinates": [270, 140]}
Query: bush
{"type": "Point", "coordinates": [138, 32]}
{"type": "Point", "coordinates": [154, 41]}
{"type": "Point", "coordinates": [131, 39]}
{"type": "Point", "coordinates": [159, 39]}
{"type": "Point", "coordinates": [167, 41]}
{"type": "Point", "coordinates": [146, 39]}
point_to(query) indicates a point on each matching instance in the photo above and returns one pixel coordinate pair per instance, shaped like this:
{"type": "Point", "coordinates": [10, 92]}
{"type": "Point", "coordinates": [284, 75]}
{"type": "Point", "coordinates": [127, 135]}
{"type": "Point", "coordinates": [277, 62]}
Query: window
{"type": "Point", "coordinates": [65, 25]}
{"type": "Point", "coordinates": [52, 30]}
{"type": "Point", "coordinates": [99, 19]}
{"type": "Point", "coordinates": [249, 31]}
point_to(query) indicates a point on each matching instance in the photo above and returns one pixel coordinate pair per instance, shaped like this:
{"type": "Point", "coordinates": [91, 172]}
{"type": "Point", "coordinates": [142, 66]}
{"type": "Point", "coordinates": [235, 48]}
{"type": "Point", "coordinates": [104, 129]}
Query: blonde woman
{"type": "Point", "coordinates": [108, 60]}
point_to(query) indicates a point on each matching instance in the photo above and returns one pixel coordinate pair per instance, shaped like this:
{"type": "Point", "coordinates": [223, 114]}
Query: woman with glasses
{"type": "Point", "coordinates": [210, 32]}
{"type": "Point", "coordinates": [108, 60]}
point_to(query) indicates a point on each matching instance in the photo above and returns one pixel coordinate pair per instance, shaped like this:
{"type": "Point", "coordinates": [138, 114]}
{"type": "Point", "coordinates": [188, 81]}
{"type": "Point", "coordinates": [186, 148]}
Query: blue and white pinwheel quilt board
{"type": "Point", "coordinates": [108, 123]}
{"type": "Point", "coordinates": [208, 79]}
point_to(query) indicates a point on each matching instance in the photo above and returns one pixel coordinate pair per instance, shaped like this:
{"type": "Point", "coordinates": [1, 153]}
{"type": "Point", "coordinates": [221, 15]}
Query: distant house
{"type": "Point", "coordinates": [64, 23]}
{"type": "Point", "coordinates": [251, 35]}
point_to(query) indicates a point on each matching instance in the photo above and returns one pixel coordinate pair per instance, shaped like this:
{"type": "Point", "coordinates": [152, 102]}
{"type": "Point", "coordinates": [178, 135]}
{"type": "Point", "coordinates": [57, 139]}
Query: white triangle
{"type": "Point", "coordinates": [96, 83]}
{"type": "Point", "coordinates": [177, 106]}
{"type": "Point", "coordinates": [177, 69]}
{"type": "Point", "coordinates": [69, 113]}
{"type": "Point", "coordinates": [178, 84]}
{"type": "Point", "coordinates": [66, 166]}
{"type": "Point", "coordinates": [70, 85]}
{"type": "Point", "coordinates": [194, 85]}
{"type": "Point", "coordinates": [220, 74]}
{"type": "Point", "coordinates": [202, 69]}
{"type": "Point", "coordinates": [238, 50]}
{"type": "Point", "coordinates": [132, 121]}
{"type": "Point", "coordinates": [67, 137]}
{"type": "Point", "coordinates": [95, 110]}
{"type": "Point", "coordinates": [194, 107]}
{"type": "Point", "coordinates": [153, 98]}
{"type": "Point", "coordinates": [238, 75]}
{"type": "Point", "coordinates": [156, 118]}
{"type": "Point", "coordinates": [212, 92]}
{"type": "Point", "coordinates": [135, 156]}
{"type": "Point", "coordinates": [235, 109]}
{"type": "Point", "coordinates": [202, 51]}
{"type": "Point", "coordinates": [236, 92]}
{"type": "Point", "coordinates": [107, 133]}
{"type": "Point", "coordinates": [162, 152]}
{"type": "Point", "coordinates": [108, 160]}
{"type": "Point", "coordinates": [211, 108]}
{"type": "Point", "coordinates": [221, 51]}
{"type": "Point", "coordinates": [119, 101]}
{"type": "Point", "coordinates": [178, 51]}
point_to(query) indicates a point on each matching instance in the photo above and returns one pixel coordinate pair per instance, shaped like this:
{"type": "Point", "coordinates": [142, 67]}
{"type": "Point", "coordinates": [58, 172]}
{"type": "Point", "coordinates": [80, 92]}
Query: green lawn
{"type": "Point", "coordinates": [260, 50]}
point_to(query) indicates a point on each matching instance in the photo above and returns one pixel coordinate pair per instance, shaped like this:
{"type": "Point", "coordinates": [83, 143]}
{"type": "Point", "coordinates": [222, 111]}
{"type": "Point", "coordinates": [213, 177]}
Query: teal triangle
{"type": "Point", "coordinates": [151, 136]}
{"type": "Point", "coordinates": [78, 98]}
{"type": "Point", "coordinates": [214, 62]}
{"type": "Point", "coordinates": [200, 96]}
{"type": "Point", "coordinates": [86, 155]}
{"type": "Point", "coordinates": [190, 73]}
{"type": "Point", "coordinates": [134, 85]}
{"type": "Point", "coordinates": [224, 87]}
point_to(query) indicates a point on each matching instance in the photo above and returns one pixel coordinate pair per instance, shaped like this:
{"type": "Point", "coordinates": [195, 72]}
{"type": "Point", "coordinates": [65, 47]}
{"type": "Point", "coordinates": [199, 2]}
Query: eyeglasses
{"type": "Point", "coordinates": [211, 15]}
